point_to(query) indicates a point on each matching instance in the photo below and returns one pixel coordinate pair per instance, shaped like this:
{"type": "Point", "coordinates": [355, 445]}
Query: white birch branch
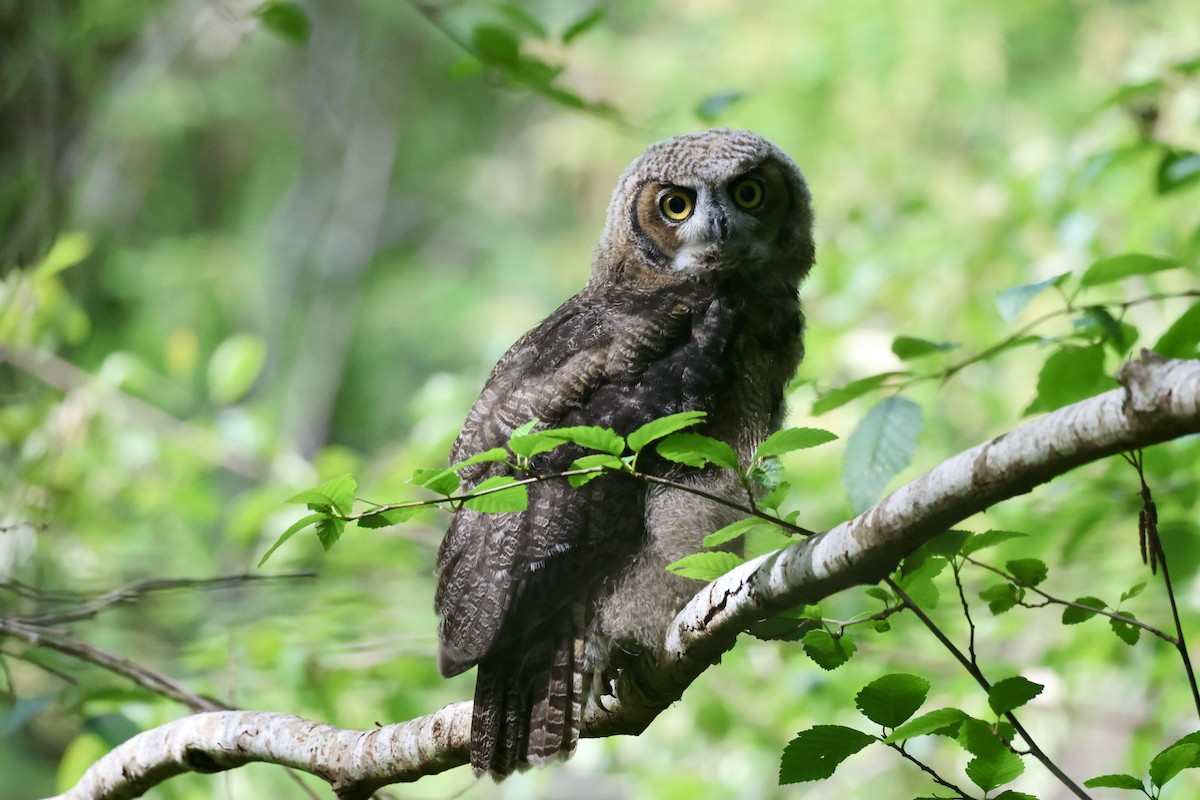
{"type": "Point", "coordinates": [1160, 401]}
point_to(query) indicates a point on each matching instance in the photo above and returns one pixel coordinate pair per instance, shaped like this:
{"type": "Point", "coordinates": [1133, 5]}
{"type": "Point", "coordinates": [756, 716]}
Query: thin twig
{"type": "Point", "coordinates": [962, 598]}
{"type": "Point", "coordinates": [938, 779]}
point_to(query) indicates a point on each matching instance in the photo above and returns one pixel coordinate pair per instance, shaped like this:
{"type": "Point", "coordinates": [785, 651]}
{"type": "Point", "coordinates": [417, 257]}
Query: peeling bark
{"type": "Point", "coordinates": [1160, 401]}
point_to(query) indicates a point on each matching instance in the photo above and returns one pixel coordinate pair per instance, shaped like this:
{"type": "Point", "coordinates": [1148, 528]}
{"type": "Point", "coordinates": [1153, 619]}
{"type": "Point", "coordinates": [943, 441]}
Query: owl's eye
{"type": "Point", "coordinates": [676, 205]}
{"type": "Point", "coordinates": [748, 193]}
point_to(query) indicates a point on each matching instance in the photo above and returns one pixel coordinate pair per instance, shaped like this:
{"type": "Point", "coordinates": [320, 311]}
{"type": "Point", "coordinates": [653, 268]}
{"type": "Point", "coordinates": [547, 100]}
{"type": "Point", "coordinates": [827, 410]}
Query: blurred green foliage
{"type": "Point", "coordinates": [246, 248]}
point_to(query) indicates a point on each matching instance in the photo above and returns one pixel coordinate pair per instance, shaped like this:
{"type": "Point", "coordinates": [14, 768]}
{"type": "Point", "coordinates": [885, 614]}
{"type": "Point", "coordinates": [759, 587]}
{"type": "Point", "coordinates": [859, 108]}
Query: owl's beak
{"type": "Point", "coordinates": [718, 227]}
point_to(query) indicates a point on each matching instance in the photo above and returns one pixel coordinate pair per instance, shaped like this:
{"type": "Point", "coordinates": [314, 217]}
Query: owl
{"type": "Point", "coordinates": [692, 305]}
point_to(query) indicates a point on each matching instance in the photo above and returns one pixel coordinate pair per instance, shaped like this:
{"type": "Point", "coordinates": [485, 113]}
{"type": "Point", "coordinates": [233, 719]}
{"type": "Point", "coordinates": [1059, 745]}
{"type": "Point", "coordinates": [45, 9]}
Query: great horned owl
{"type": "Point", "coordinates": [692, 305]}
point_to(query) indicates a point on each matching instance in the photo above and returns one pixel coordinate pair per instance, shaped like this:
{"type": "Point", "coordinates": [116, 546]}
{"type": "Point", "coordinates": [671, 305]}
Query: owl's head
{"type": "Point", "coordinates": [705, 205]}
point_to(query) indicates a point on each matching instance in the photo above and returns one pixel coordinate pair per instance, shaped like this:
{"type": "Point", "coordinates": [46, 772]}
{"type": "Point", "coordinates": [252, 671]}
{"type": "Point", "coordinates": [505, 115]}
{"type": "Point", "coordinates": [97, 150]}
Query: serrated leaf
{"type": "Point", "coordinates": [734, 531]}
{"type": "Point", "coordinates": [978, 738]}
{"type": "Point", "coordinates": [495, 454]}
{"type": "Point", "coordinates": [287, 20]}
{"type": "Point", "coordinates": [909, 347]}
{"type": "Point", "coordinates": [1073, 616]}
{"type": "Point", "coordinates": [1177, 170]}
{"type": "Point", "coordinates": [836, 398]}
{"type": "Point", "coordinates": [529, 445]}
{"type": "Point", "coordinates": [1069, 375]}
{"type": "Point", "coordinates": [712, 106]}
{"type": "Point", "coordinates": [792, 439]}
{"type": "Point", "coordinates": [1009, 794]}
{"type": "Point", "coordinates": [918, 583]}
{"type": "Point", "coordinates": [1012, 693]}
{"type": "Point", "coordinates": [774, 498]}
{"type": "Point", "coordinates": [337, 492]}
{"type": "Point", "coordinates": [1027, 571]}
{"type": "Point", "coordinates": [995, 769]}
{"type": "Point", "coordinates": [1172, 761]}
{"type": "Point", "coordinates": [707, 566]}
{"type": "Point", "coordinates": [889, 701]}
{"type": "Point", "coordinates": [1115, 781]}
{"type": "Point", "coordinates": [583, 24]}
{"type": "Point", "coordinates": [1011, 302]}
{"type": "Point", "coordinates": [496, 45]}
{"type": "Point", "coordinates": [815, 753]}
{"type": "Point", "coordinates": [661, 427]}
{"type": "Point", "coordinates": [498, 502]}
{"type": "Point", "coordinates": [827, 651]}
{"type": "Point", "coordinates": [234, 367]}
{"type": "Point", "coordinates": [1129, 634]}
{"type": "Point", "coordinates": [999, 597]}
{"type": "Point", "coordinates": [943, 721]}
{"type": "Point", "coordinates": [1133, 591]}
{"type": "Point", "coordinates": [392, 516]}
{"type": "Point", "coordinates": [295, 528]}
{"type": "Point", "coordinates": [880, 447]}
{"type": "Point", "coordinates": [981, 541]}
{"type": "Point", "coordinates": [1126, 265]}
{"type": "Point", "coordinates": [697, 450]}
{"type": "Point", "coordinates": [439, 481]}
{"type": "Point", "coordinates": [1182, 338]}
{"type": "Point", "coordinates": [594, 460]}
{"type": "Point", "coordinates": [329, 530]}
{"type": "Point", "coordinates": [592, 437]}
{"type": "Point", "coordinates": [525, 428]}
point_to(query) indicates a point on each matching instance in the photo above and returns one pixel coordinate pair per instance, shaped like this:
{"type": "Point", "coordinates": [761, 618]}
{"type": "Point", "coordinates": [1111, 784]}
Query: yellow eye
{"type": "Point", "coordinates": [748, 193]}
{"type": "Point", "coordinates": [676, 205]}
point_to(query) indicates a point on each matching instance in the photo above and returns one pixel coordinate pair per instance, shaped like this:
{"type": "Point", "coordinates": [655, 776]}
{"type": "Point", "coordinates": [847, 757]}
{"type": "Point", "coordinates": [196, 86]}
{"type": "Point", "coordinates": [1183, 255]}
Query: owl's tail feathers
{"type": "Point", "coordinates": [528, 708]}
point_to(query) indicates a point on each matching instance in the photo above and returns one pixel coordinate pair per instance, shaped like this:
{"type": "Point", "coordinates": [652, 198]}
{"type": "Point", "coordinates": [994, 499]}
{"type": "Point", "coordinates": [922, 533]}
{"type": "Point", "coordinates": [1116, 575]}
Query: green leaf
{"type": "Point", "coordinates": [889, 701]}
{"type": "Point", "coordinates": [529, 445]}
{"type": "Point", "coordinates": [1069, 375]}
{"type": "Point", "coordinates": [1129, 634]}
{"type": "Point", "coordinates": [1011, 302]}
{"type": "Point", "coordinates": [995, 769]}
{"type": "Point", "coordinates": [438, 481]}
{"type": "Point", "coordinates": [296, 527]}
{"type": "Point", "coordinates": [1000, 597]}
{"type": "Point", "coordinates": [774, 498]}
{"type": "Point", "coordinates": [1133, 591]}
{"type": "Point", "coordinates": [707, 566]}
{"type": "Point", "coordinates": [1172, 761]}
{"type": "Point", "coordinates": [1009, 794]}
{"type": "Point", "coordinates": [487, 456]}
{"type": "Point", "coordinates": [880, 594]}
{"type": "Point", "coordinates": [1182, 339]}
{"type": "Point", "coordinates": [234, 367]}
{"type": "Point", "coordinates": [583, 24]}
{"type": "Point", "coordinates": [697, 450]}
{"type": "Point", "coordinates": [943, 721]}
{"type": "Point", "coordinates": [392, 516]}
{"type": "Point", "coordinates": [1073, 616]}
{"type": "Point", "coordinates": [329, 530]}
{"type": "Point", "coordinates": [1118, 334]}
{"type": "Point", "coordinates": [909, 347]}
{"type": "Point", "coordinates": [918, 583]}
{"type": "Point", "coordinates": [946, 545]}
{"type": "Point", "coordinates": [987, 539]}
{"type": "Point", "coordinates": [880, 447]}
{"type": "Point", "coordinates": [792, 439]}
{"type": "Point", "coordinates": [978, 738]}
{"type": "Point", "coordinates": [594, 460]}
{"type": "Point", "coordinates": [1178, 169]}
{"type": "Point", "coordinates": [735, 530]}
{"type": "Point", "coordinates": [498, 502]}
{"type": "Point", "coordinates": [661, 427]}
{"type": "Point", "coordinates": [592, 437]}
{"type": "Point", "coordinates": [712, 106]}
{"type": "Point", "coordinates": [525, 428]}
{"type": "Point", "coordinates": [67, 251]}
{"type": "Point", "coordinates": [1115, 781]}
{"type": "Point", "coordinates": [1012, 693]}
{"type": "Point", "coordinates": [464, 67]}
{"type": "Point", "coordinates": [1027, 571]}
{"type": "Point", "coordinates": [337, 492]}
{"type": "Point", "coordinates": [836, 398]}
{"type": "Point", "coordinates": [287, 20]}
{"type": "Point", "coordinates": [497, 45]}
{"type": "Point", "coordinates": [1126, 265]}
{"type": "Point", "coordinates": [828, 651]}
{"type": "Point", "coordinates": [815, 753]}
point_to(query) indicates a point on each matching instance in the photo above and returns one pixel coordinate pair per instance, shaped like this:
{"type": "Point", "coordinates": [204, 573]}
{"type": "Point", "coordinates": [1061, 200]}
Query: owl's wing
{"type": "Point", "coordinates": [602, 360]}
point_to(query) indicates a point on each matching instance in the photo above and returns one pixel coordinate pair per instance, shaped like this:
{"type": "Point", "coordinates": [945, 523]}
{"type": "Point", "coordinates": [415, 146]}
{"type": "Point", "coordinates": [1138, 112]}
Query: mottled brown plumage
{"type": "Point", "coordinates": [692, 305]}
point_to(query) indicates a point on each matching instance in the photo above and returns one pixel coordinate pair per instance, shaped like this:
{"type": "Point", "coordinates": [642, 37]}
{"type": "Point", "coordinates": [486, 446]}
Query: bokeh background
{"type": "Point", "coordinates": [245, 250]}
